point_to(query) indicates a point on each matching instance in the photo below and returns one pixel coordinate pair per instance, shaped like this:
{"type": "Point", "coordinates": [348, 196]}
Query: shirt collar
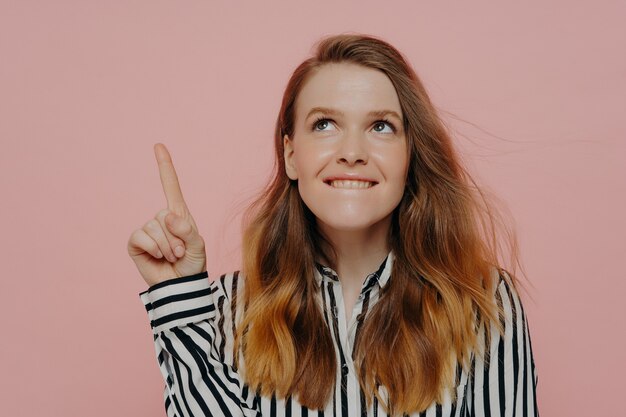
{"type": "Point", "coordinates": [380, 276]}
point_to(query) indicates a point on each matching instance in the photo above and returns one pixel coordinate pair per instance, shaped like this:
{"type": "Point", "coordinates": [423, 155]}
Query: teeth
{"type": "Point", "coordinates": [351, 184]}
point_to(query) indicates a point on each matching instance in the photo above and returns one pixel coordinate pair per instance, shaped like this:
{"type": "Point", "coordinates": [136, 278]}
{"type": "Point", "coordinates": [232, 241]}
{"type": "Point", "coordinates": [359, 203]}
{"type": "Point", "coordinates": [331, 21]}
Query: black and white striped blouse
{"type": "Point", "coordinates": [193, 327]}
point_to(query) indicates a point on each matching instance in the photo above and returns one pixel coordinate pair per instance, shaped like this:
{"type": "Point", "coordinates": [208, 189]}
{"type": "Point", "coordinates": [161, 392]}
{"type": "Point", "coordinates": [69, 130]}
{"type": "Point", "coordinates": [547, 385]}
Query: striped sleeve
{"type": "Point", "coordinates": [183, 314]}
{"type": "Point", "coordinates": [504, 381]}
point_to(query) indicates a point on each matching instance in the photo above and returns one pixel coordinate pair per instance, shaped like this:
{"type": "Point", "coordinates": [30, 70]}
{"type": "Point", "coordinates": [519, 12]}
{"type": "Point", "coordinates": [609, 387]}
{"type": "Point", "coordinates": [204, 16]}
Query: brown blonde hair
{"type": "Point", "coordinates": [443, 236]}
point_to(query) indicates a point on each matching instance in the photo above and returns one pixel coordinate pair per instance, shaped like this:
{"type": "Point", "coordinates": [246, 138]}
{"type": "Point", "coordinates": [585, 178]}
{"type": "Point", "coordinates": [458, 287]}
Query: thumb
{"type": "Point", "coordinates": [182, 228]}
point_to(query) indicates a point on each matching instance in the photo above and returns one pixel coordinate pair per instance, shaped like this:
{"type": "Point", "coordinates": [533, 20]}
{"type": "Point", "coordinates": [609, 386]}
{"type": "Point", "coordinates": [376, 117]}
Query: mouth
{"type": "Point", "coordinates": [350, 184]}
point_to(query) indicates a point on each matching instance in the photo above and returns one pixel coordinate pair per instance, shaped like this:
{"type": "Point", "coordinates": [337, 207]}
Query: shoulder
{"type": "Point", "coordinates": [511, 319]}
{"type": "Point", "coordinates": [503, 285]}
{"type": "Point", "coordinates": [506, 293]}
{"type": "Point", "coordinates": [506, 304]}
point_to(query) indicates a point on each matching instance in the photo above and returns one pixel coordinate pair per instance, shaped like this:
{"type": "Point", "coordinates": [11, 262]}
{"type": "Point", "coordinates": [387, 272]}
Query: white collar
{"type": "Point", "coordinates": [381, 275]}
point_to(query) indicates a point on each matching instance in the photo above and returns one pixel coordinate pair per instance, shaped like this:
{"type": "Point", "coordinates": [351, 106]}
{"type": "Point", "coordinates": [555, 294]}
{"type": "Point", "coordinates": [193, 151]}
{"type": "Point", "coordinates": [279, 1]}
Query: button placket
{"type": "Point", "coordinates": [345, 333]}
{"type": "Point", "coordinates": [354, 321]}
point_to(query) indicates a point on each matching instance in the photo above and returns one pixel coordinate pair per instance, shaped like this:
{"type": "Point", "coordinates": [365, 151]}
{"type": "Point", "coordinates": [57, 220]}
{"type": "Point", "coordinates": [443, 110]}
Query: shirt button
{"type": "Point", "coordinates": [344, 369]}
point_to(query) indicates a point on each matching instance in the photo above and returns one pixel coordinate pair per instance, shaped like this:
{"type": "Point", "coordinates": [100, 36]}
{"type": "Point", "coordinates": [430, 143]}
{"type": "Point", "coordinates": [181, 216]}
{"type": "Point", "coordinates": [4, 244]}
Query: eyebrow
{"type": "Point", "coordinates": [333, 112]}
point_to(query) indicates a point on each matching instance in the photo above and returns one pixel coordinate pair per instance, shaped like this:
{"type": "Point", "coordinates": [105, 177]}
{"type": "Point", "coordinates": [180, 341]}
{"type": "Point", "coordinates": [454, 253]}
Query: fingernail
{"type": "Point", "coordinates": [179, 251]}
{"type": "Point", "coordinates": [159, 254]}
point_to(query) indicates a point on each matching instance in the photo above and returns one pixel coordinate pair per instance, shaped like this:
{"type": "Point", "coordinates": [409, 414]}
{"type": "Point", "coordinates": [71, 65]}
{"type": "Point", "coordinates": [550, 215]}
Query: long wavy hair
{"type": "Point", "coordinates": [446, 248]}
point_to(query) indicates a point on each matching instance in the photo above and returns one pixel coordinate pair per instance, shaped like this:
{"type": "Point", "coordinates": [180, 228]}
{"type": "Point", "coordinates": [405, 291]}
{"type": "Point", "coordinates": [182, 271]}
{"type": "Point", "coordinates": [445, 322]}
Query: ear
{"type": "Point", "coordinates": [290, 166]}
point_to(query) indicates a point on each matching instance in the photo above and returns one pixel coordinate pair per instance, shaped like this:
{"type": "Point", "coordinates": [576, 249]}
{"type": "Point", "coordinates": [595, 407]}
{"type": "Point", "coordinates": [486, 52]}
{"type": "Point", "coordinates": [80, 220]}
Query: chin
{"type": "Point", "coordinates": [349, 225]}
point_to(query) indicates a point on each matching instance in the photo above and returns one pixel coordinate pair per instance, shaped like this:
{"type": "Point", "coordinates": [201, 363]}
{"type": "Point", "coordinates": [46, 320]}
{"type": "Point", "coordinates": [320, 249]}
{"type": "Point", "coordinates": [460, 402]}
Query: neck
{"type": "Point", "coordinates": [359, 252]}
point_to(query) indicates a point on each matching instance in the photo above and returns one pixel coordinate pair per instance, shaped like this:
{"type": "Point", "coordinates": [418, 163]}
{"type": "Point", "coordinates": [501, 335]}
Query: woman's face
{"type": "Point", "coordinates": [340, 135]}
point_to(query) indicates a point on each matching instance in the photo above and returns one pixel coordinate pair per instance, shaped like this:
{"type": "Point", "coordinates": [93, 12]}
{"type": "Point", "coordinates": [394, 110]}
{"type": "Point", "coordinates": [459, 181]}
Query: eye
{"type": "Point", "coordinates": [321, 121]}
{"type": "Point", "coordinates": [382, 123]}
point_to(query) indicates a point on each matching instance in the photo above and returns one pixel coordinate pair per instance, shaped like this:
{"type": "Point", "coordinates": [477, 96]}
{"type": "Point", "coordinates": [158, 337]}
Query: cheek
{"type": "Point", "coordinates": [303, 165]}
{"type": "Point", "coordinates": [396, 172]}
{"type": "Point", "coordinates": [393, 163]}
{"type": "Point", "coordinates": [310, 161]}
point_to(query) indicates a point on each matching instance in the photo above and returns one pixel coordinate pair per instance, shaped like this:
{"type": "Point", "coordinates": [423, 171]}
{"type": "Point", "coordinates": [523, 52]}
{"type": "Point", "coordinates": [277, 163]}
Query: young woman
{"type": "Point", "coordinates": [370, 281]}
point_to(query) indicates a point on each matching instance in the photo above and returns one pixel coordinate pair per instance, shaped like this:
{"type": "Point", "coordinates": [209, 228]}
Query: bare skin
{"type": "Point", "coordinates": [152, 247]}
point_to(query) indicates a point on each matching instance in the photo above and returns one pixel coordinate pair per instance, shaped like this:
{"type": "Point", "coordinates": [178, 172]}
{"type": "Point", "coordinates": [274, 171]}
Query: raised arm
{"type": "Point", "coordinates": [185, 309]}
{"type": "Point", "coordinates": [188, 316]}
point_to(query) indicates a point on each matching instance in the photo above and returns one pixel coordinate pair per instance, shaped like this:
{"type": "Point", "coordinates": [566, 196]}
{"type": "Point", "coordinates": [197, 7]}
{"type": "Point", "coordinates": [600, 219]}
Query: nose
{"type": "Point", "coordinates": [352, 150]}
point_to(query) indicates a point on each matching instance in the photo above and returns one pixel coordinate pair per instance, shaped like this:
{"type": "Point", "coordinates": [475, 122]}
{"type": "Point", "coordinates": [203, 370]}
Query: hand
{"type": "Point", "coordinates": [153, 247]}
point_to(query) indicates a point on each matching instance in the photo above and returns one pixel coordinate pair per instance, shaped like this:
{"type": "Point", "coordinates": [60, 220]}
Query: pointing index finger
{"type": "Point", "coordinates": [169, 180]}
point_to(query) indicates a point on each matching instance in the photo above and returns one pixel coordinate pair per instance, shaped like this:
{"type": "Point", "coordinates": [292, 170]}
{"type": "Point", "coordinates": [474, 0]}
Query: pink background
{"type": "Point", "coordinates": [535, 95]}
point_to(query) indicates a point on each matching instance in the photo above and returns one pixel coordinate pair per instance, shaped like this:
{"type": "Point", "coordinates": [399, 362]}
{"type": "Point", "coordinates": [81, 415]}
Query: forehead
{"type": "Point", "coordinates": [351, 88]}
